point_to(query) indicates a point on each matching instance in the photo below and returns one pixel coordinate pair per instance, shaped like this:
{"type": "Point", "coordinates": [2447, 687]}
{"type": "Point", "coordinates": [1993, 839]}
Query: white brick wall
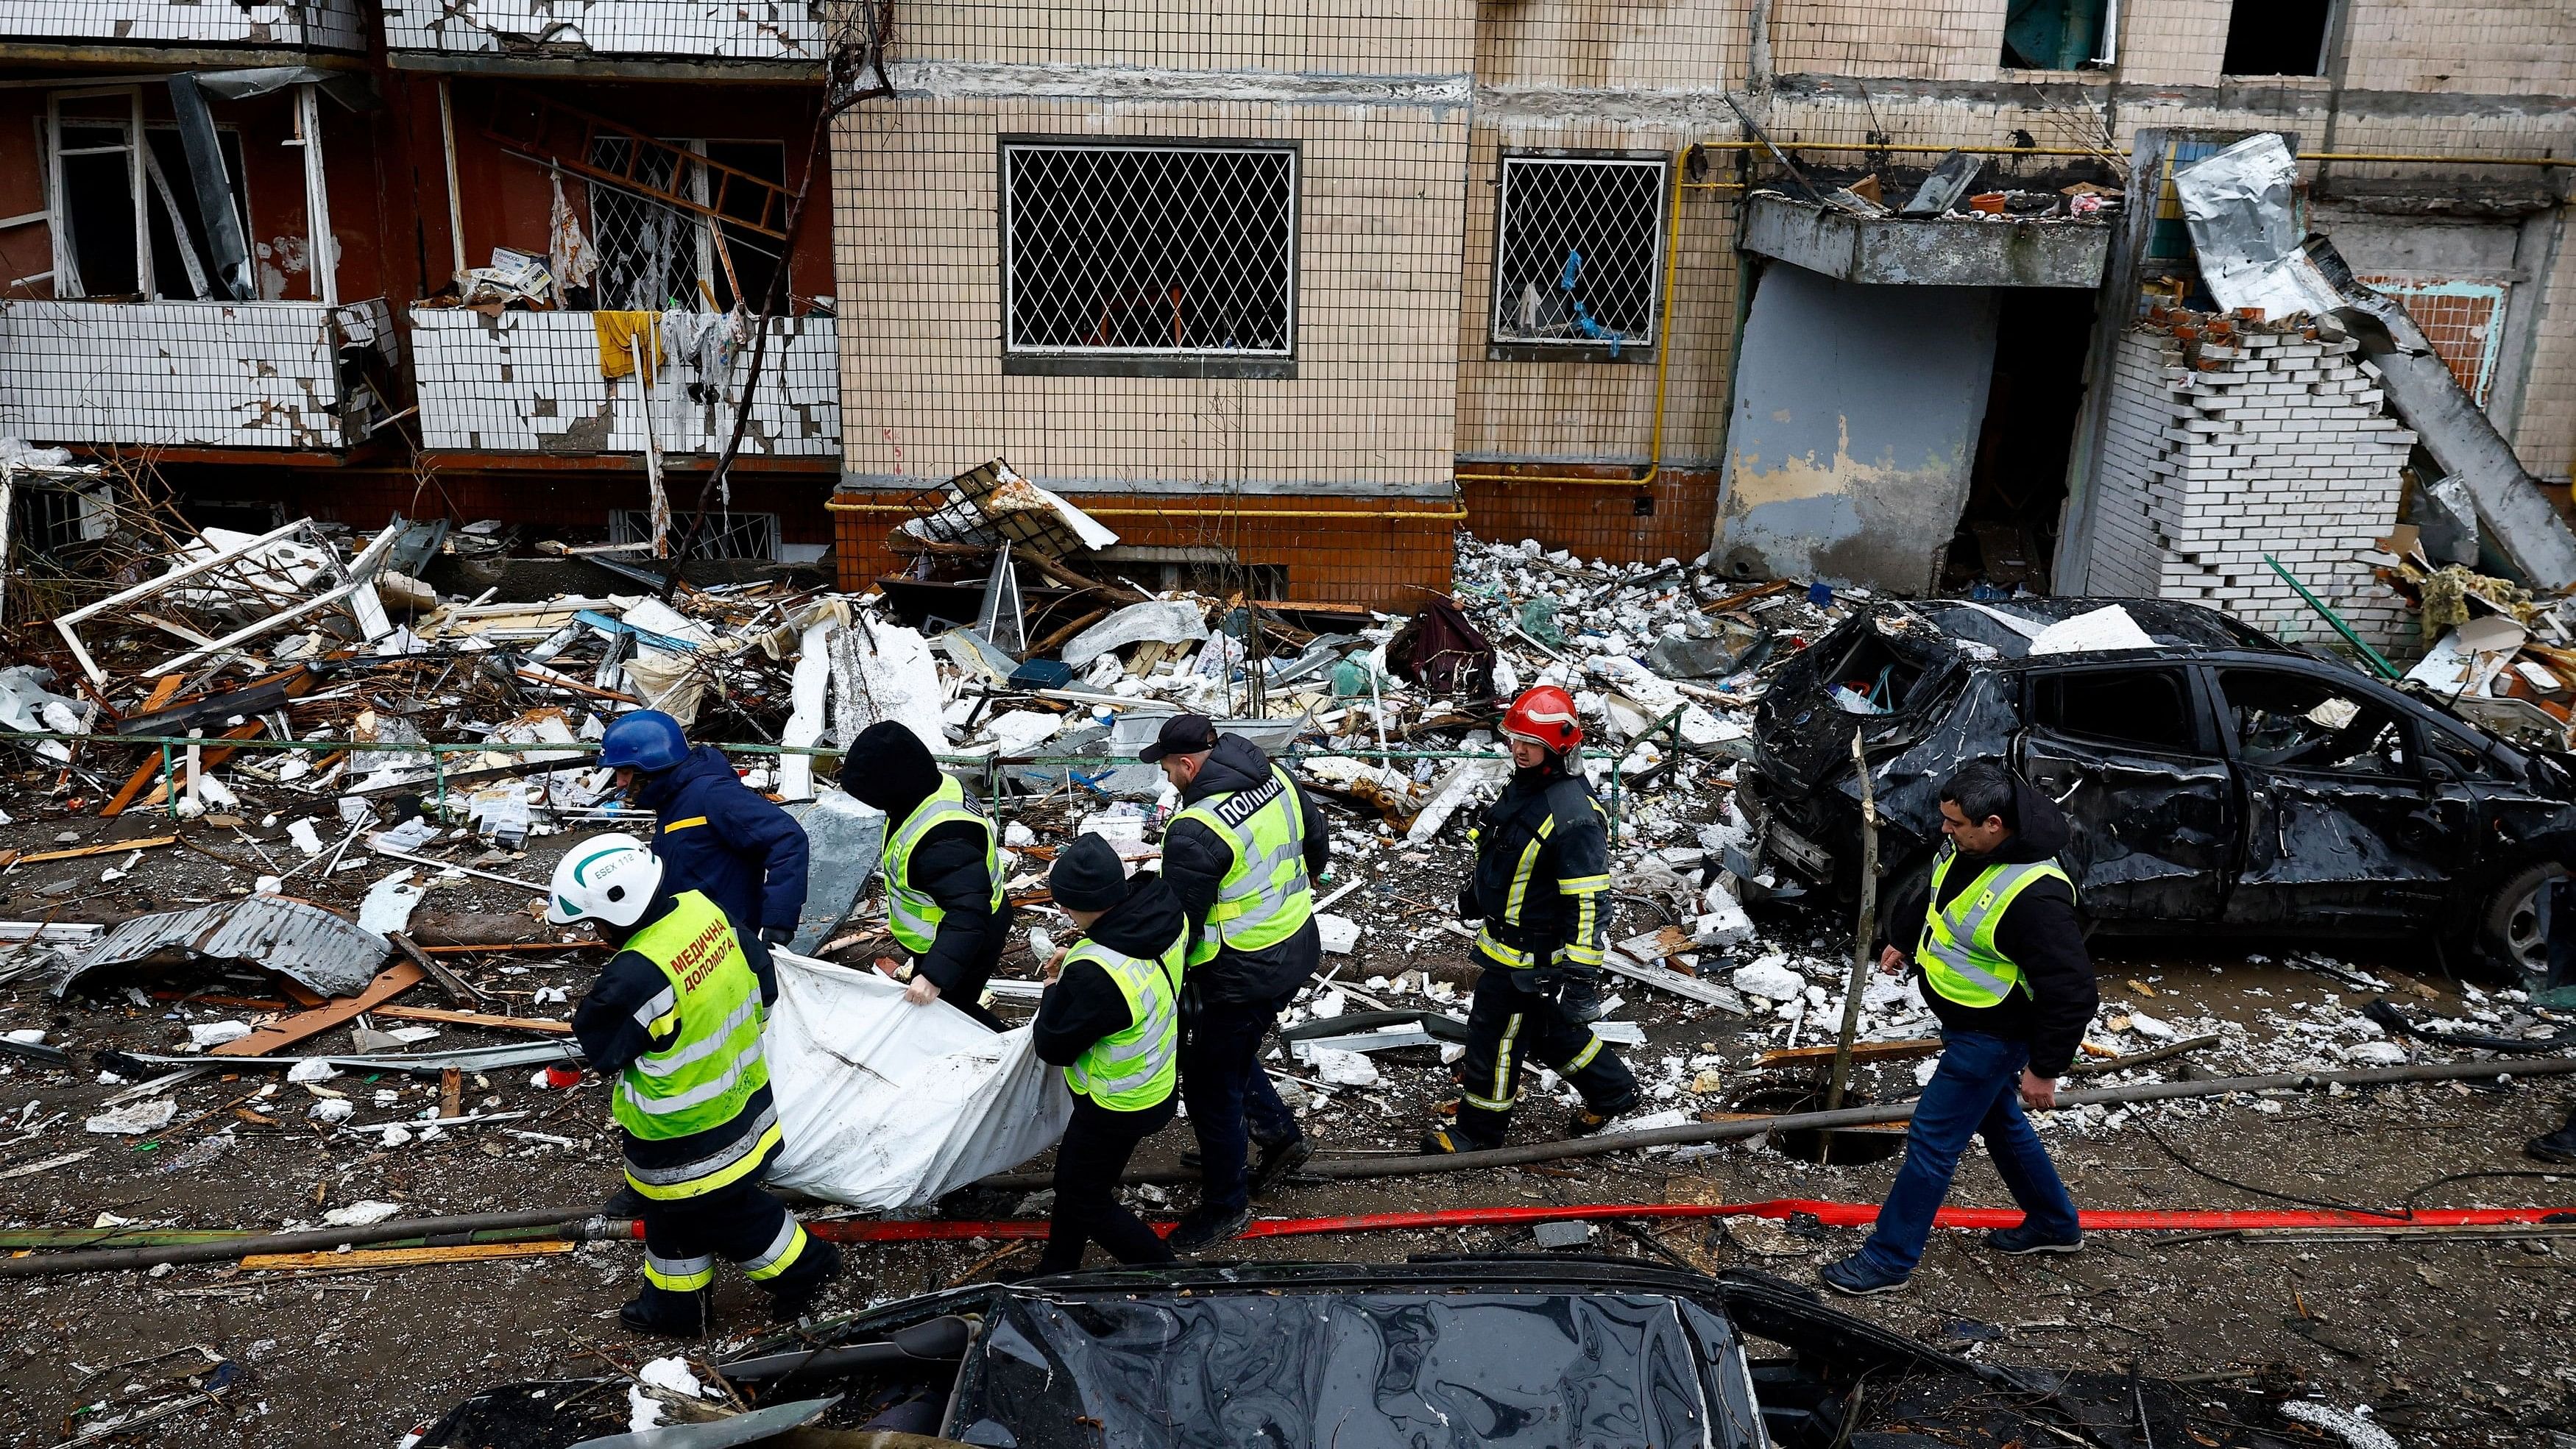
{"type": "Point", "coordinates": [756, 30]}
{"type": "Point", "coordinates": [2279, 448]}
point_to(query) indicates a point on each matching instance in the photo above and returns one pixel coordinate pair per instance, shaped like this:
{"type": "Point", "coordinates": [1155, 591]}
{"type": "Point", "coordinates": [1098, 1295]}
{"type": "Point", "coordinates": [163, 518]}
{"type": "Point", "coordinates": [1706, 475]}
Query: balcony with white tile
{"type": "Point", "coordinates": [531, 383]}
{"type": "Point", "coordinates": [334, 25]}
{"type": "Point", "coordinates": [791, 31]}
{"type": "Point", "coordinates": [254, 375]}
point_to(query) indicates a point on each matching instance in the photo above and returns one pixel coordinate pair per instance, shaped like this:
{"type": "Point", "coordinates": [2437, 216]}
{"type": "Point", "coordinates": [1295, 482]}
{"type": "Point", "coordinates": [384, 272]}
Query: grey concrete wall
{"type": "Point", "coordinates": [1855, 425]}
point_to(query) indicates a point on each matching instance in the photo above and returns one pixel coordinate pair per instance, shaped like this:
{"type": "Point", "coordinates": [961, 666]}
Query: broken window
{"type": "Point", "coordinates": [654, 256]}
{"type": "Point", "coordinates": [2277, 37]}
{"type": "Point", "coordinates": [2149, 709]}
{"type": "Point", "coordinates": [2290, 721]}
{"type": "Point", "coordinates": [2060, 34]}
{"type": "Point", "coordinates": [1149, 249]}
{"type": "Point", "coordinates": [1578, 251]}
{"type": "Point", "coordinates": [129, 226]}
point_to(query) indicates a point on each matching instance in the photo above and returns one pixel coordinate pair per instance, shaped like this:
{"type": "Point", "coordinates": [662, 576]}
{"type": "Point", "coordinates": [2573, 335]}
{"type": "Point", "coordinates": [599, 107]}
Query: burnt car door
{"type": "Point", "coordinates": [2343, 826]}
{"type": "Point", "coordinates": [2132, 755]}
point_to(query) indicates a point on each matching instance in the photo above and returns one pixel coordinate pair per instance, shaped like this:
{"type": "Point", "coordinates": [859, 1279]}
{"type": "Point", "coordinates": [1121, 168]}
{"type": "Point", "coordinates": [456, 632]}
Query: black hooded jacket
{"type": "Point", "coordinates": [2038, 932]}
{"type": "Point", "coordinates": [1084, 1004]}
{"type": "Point", "coordinates": [1195, 860]}
{"type": "Point", "coordinates": [889, 769]}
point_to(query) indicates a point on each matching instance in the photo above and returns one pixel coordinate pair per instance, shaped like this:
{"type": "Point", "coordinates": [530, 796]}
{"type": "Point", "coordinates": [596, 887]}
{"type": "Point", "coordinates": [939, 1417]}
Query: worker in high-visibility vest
{"type": "Point", "coordinates": [1242, 856]}
{"type": "Point", "coordinates": [1111, 1018]}
{"type": "Point", "coordinates": [675, 1020]}
{"type": "Point", "coordinates": [942, 867]}
{"type": "Point", "coordinates": [2002, 963]}
{"type": "Point", "coordinates": [1542, 878]}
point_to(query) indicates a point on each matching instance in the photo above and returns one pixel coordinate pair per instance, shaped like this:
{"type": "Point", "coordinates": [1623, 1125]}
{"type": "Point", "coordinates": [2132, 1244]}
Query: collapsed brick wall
{"type": "Point", "coordinates": [2218, 453]}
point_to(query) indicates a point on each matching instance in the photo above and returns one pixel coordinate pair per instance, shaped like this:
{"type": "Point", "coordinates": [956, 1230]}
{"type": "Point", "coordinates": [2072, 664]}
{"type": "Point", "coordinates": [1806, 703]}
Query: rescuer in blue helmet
{"type": "Point", "coordinates": [714, 834]}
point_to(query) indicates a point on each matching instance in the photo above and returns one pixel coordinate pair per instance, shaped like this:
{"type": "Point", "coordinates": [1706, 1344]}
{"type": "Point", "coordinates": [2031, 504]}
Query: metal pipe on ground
{"type": "Point", "coordinates": [582, 1224]}
{"type": "Point", "coordinates": [1696, 1133]}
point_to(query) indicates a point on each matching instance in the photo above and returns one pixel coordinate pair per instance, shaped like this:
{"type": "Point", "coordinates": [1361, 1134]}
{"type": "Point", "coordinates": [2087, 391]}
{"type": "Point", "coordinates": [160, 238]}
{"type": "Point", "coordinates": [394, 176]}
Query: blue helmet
{"type": "Point", "coordinates": [645, 740]}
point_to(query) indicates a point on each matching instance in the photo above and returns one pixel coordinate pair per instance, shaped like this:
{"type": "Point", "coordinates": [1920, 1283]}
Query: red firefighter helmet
{"type": "Point", "coordinates": [1544, 716]}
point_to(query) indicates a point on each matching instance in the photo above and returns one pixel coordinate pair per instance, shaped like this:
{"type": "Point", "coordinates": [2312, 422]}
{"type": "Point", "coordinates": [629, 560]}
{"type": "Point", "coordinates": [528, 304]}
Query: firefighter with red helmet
{"type": "Point", "coordinates": [1540, 888]}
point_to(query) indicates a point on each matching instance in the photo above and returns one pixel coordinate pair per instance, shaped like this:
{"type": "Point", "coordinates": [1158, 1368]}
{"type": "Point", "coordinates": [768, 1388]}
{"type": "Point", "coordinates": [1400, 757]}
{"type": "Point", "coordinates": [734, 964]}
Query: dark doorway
{"type": "Point", "coordinates": [2007, 535]}
{"type": "Point", "coordinates": [2277, 37]}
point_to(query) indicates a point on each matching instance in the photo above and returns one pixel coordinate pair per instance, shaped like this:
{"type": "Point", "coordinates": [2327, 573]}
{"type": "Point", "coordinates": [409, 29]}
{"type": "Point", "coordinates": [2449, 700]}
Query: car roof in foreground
{"type": "Point", "coordinates": [2188, 629]}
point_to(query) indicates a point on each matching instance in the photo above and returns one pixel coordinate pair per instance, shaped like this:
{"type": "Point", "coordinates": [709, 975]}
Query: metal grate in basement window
{"type": "Point", "coordinates": [1579, 253]}
{"type": "Point", "coordinates": [726, 535]}
{"type": "Point", "coordinates": [1173, 250]}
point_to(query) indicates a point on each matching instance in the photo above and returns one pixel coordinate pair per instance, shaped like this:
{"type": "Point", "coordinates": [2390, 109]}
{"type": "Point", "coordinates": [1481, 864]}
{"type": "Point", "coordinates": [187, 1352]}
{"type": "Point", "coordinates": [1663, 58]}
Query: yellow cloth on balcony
{"type": "Point", "coordinates": [619, 335]}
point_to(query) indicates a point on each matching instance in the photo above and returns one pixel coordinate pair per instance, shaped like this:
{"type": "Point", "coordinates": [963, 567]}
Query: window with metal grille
{"type": "Point", "coordinates": [655, 256]}
{"type": "Point", "coordinates": [1578, 256]}
{"type": "Point", "coordinates": [1134, 252]}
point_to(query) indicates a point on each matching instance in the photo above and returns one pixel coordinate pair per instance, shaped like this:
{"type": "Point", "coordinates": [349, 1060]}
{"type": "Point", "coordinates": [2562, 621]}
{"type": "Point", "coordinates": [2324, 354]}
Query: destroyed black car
{"type": "Point", "coordinates": [1537, 1352]}
{"type": "Point", "coordinates": [2217, 780]}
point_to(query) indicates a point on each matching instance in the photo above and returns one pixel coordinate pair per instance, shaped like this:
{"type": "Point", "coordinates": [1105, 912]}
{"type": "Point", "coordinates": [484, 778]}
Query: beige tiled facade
{"type": "Point", "coordinates": [1404, 114]}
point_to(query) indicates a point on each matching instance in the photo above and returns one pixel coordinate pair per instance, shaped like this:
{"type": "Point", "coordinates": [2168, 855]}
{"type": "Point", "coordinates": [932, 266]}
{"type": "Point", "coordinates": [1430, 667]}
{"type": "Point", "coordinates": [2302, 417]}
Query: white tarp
{"type": "Point", "coordinates": [886, 1105]}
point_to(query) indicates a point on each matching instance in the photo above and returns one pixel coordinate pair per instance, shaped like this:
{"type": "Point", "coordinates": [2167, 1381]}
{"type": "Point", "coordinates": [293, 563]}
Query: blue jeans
{"type": "Point", "coordinates": [1230, 1096]}
{"type": "Point", "coordinates": [1976, 1092]}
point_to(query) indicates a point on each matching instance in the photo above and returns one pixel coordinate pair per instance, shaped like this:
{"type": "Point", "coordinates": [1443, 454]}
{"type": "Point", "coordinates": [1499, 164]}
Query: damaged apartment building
{"type": "Point", "coordinates": [1304, 286]}
{"type": "Point", "coordinates": [1287, 292]}
{"type": "Point", "coordinates": [346, 258]}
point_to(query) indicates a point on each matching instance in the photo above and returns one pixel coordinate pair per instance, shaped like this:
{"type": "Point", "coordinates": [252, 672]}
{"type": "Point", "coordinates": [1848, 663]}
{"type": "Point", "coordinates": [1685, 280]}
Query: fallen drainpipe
{"type": "Point", "coordinates": [582, 1224]}
{"type": "Point", "coordinates": [1695, 1133]}
{"type": "Point", "coordinates": [1829, 1213]}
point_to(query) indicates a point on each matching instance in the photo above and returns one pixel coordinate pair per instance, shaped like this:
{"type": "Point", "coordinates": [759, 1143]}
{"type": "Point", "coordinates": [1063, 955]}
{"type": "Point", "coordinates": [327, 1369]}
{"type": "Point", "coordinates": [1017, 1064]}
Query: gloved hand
{"type": "Point", "coordinates": [1548, 983]}
{"type": "Point", "coordinates": [1468, 909]}
{"type": "Point", "coordinates": [777, 935]}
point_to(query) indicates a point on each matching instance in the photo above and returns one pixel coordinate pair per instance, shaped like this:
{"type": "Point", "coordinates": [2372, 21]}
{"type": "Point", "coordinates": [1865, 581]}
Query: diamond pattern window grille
{"type": "Point", "coordinates": [1579, 252]}
{"type": "Point", "coordinates": [1150, 249]}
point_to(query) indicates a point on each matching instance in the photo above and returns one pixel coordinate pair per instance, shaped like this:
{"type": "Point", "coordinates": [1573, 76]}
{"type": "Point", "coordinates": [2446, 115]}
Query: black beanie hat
{"type": "Point", "coordinates": [1087, 876]}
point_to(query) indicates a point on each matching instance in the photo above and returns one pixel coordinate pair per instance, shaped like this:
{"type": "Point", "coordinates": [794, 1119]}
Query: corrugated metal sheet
{"type": "Point", "coordinates": [318, 948]}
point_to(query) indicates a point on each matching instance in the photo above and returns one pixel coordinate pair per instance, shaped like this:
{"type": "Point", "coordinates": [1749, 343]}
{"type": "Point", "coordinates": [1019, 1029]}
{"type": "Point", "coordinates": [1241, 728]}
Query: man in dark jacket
{"type": "Point", "coordinates": [1242, 857]}
{"type": "Point", "coordinates": [715, 835]}
{"type": "Point", "coordinates": [2003, 965]}
{"type": "Point", "coordinates": [942, 870]}
{"type": "Point", "coordinates": [1110, 1018]}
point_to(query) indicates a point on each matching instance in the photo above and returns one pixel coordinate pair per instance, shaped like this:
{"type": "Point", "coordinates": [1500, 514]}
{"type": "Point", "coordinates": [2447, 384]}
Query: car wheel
{"type": "Point", "coordinates": [2509, 928]}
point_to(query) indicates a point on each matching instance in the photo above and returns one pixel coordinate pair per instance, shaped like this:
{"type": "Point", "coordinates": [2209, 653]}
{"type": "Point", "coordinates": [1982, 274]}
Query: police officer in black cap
{"type": "Point", "coordinates": [1242, 856]}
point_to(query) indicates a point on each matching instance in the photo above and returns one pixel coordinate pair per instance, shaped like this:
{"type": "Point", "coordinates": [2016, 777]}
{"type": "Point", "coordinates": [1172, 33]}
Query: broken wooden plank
{"type": "Point", "coordinates": [475, 1018]}
{"type": "Point", "coordinates": [1706, 993]}
{"type": "Point", "coordinates": [390, 982]}
{"type": "Point", "coordinates": [357, 1261]}
{"type": "Point", "coordinates": [456, 987]}
{"type": "Point", "coordinates": [1862, 1051]}
{"type": "Point", "coordinates": [103, 847]}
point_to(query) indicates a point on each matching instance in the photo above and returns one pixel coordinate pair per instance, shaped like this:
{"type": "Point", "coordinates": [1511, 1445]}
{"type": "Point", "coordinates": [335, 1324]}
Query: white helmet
{"type": "Point", "coordinates": [605, 878]}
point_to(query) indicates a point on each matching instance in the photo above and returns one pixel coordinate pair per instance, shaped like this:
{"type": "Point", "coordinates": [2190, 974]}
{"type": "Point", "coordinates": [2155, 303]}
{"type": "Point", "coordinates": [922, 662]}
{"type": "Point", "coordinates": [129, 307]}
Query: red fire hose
{"type": "Point", "coordinates": [1832, 1214]}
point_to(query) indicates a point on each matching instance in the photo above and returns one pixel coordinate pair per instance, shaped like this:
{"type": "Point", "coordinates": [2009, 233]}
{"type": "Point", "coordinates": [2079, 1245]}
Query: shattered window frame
{"type": "Point", "coordinates": [2393, 720]}
{"type": "Point", "coordinates": [2045, 708]}
{"type": "Point", "coordinates": [1251, 163]}
{"type": "Point", "coordinates": [1510, 277]}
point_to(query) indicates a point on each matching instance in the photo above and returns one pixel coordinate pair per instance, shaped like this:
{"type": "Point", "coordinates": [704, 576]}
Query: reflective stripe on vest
{"type": "Point", "coordinates": [1132, 1069]}
{"type": "Point", "coordinates": [912, 915]}
{"type": "Point", "coordinates": [699, 1080]}
{"type": "Point", "coordinates": [1957, 949]}
{"type": "Point", "coordinates": [1265, 896]}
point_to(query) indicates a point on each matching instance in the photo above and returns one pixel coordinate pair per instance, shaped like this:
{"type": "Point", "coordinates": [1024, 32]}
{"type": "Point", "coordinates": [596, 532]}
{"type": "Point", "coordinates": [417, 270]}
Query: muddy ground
{"type": "Point", "coordinates": [2472, 1343]}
